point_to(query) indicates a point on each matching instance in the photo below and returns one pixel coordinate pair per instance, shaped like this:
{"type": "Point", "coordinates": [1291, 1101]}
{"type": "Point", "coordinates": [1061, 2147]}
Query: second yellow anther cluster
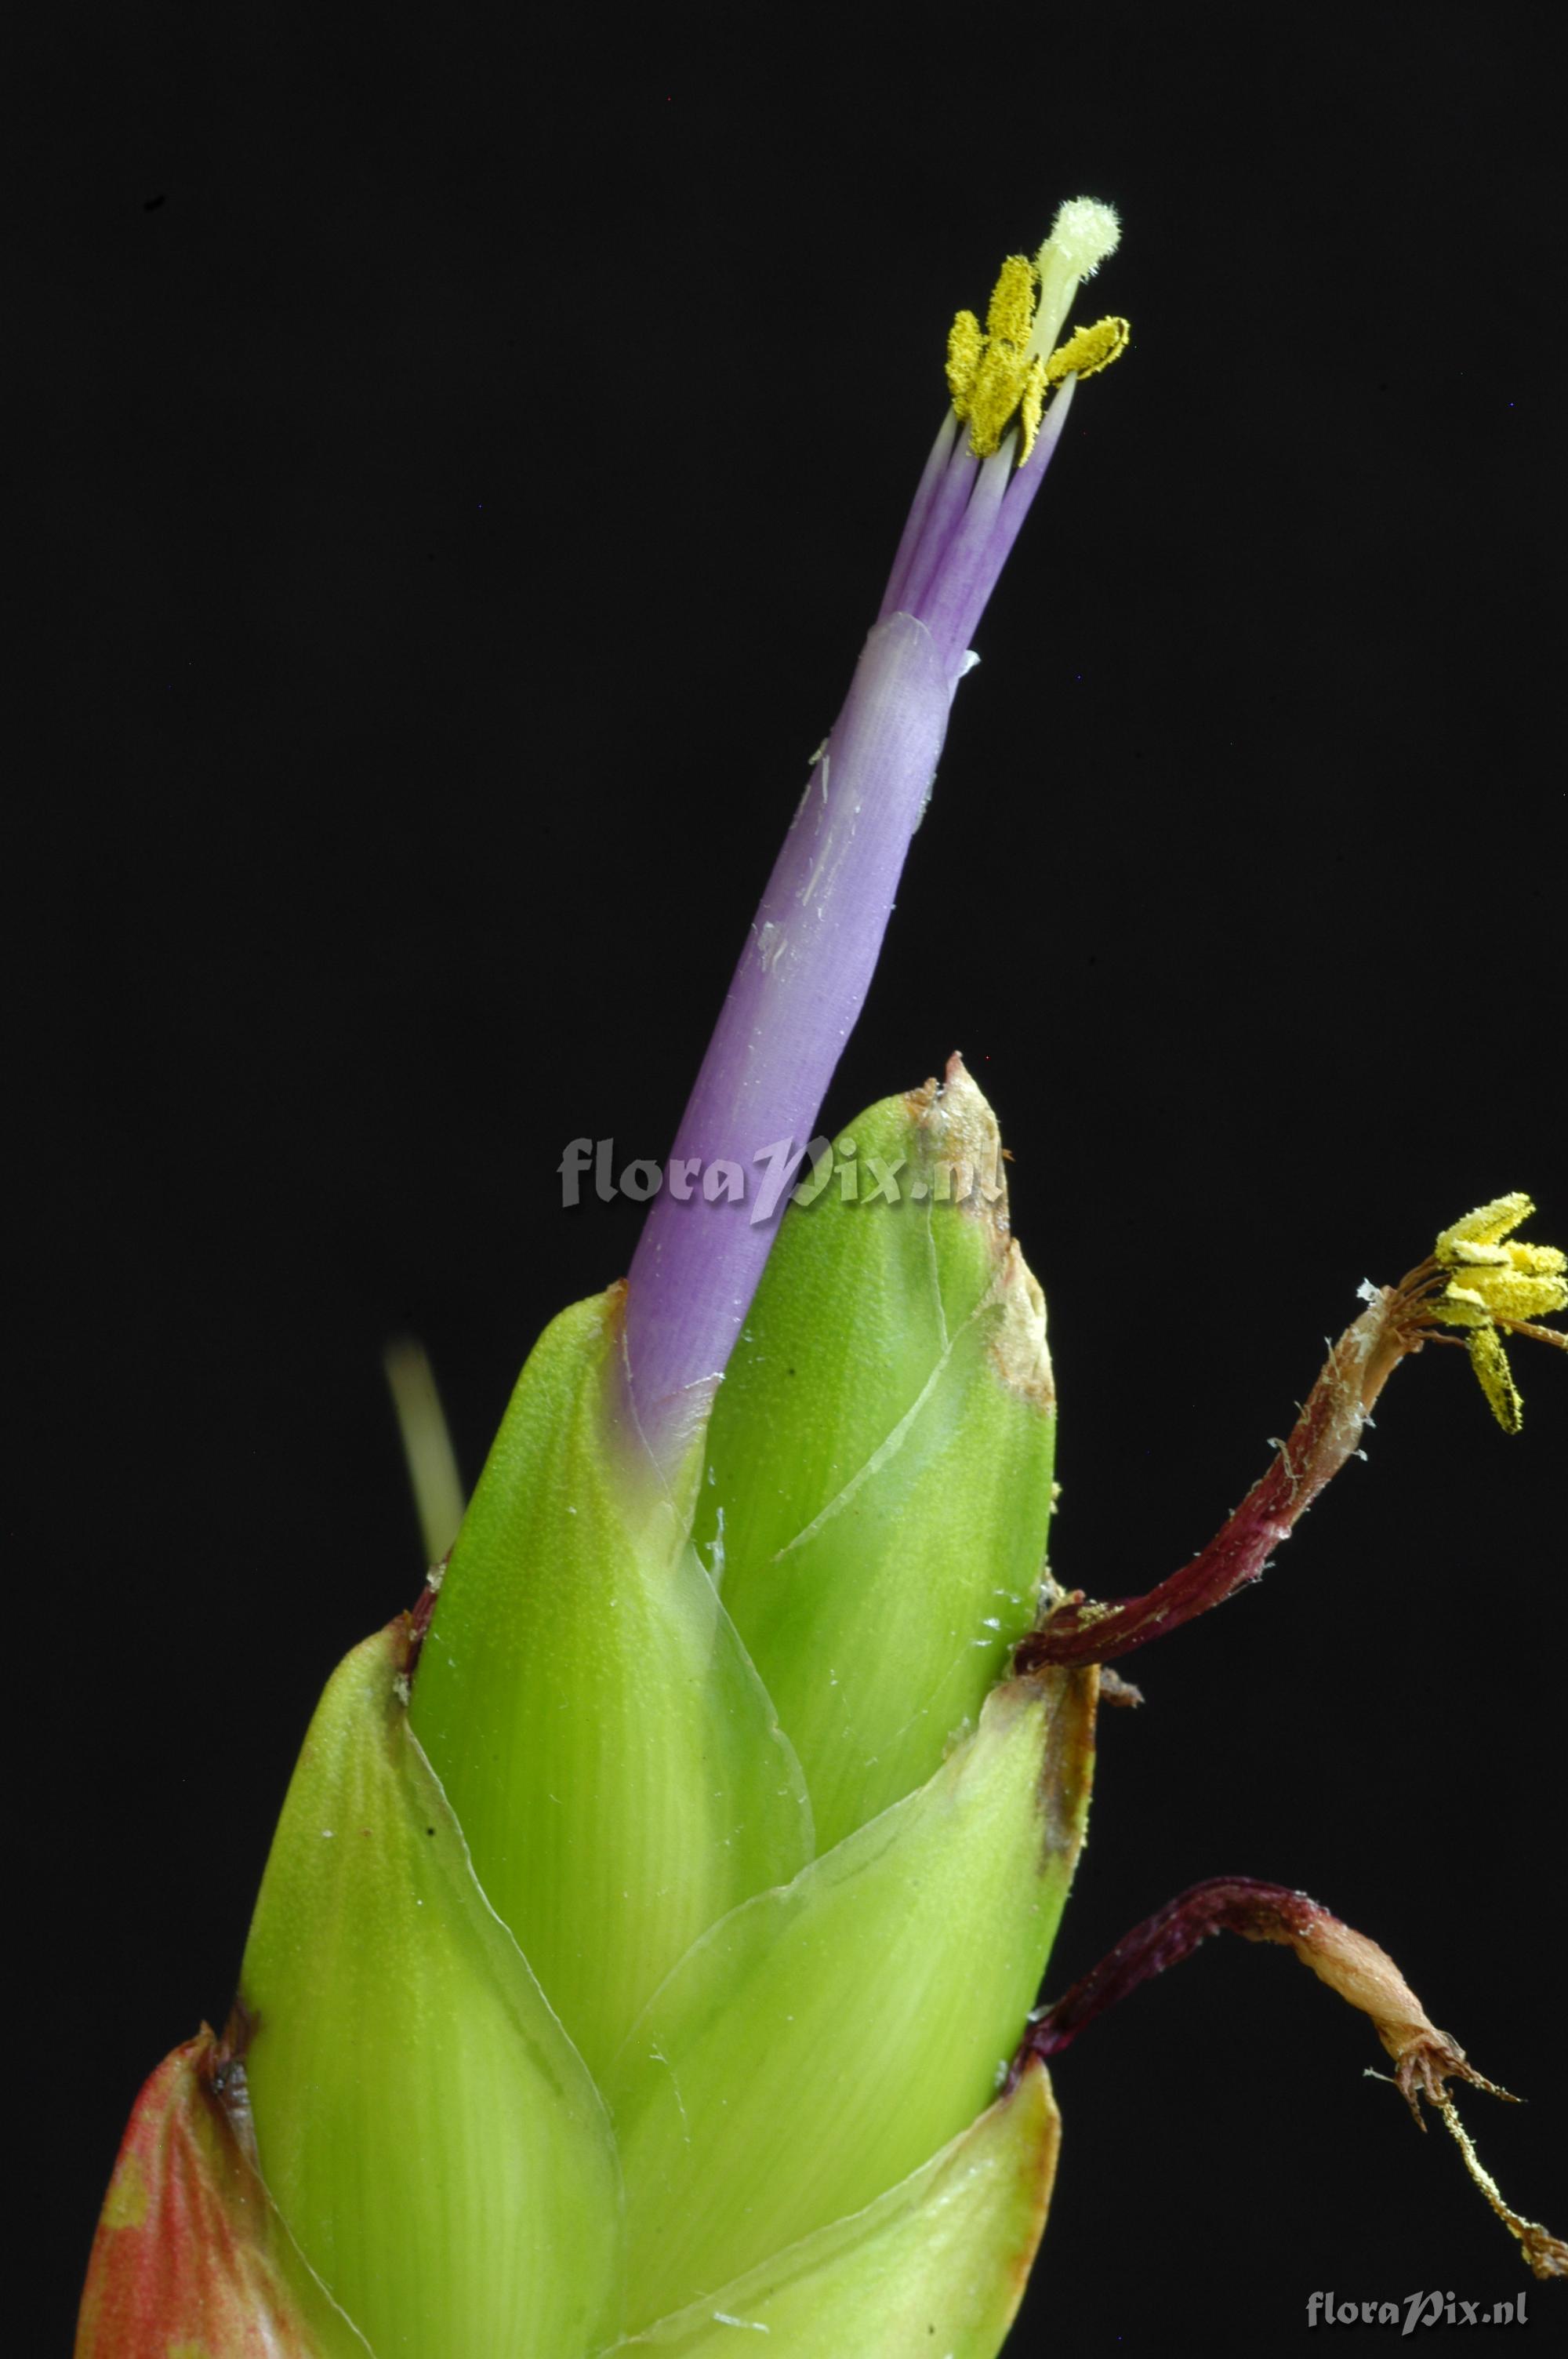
{"type": "Point", "coordinates": [1498, 1284]}
{"type": "Point", "coordinates": [992, 374]}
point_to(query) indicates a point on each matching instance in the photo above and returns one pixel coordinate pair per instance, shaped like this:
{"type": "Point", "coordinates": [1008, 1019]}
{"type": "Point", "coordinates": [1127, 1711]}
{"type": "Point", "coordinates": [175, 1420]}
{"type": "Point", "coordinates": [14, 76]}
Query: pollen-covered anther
{"type": "Point", "coordinates": [1088, 350]}
{"type": "Point", "coordinates": [989, 374]}
{"type": "Point", "coordinates": [1005, 370]}
{"type": "Point", "coordinates": [1495, 1376]}
{"type": "Point", "coordinates": [965, 343]}
{"type": "Point", "coordinates": [1508, 1278]}
{"type": "Point", "coordinates": [1488, 1294]}
{"type": "Point", "coordinates": [1010, 314]}
{"type": "Point", "coordinates": [1481, 1279]}
{"type": "Point", "coordinates": [1484, 1225]}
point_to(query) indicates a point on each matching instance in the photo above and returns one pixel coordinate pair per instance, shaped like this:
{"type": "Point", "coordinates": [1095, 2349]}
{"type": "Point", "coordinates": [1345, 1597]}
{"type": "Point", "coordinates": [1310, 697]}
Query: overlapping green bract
{"type": "Point", "coordinates": [608, 1748]}
{"type": "Point", "coordinates": [880, 1455]}
{"type": "Point", "coordinates": [430, 2134]}
{"type": "Point", "coordinates": [693, 1945]}
{"type": "Point", "coordinates": [937, 2263]}
{"type": "Point", "coordinates": [823, 2042]}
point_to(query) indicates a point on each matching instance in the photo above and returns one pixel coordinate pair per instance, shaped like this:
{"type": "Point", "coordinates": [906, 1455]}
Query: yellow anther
{"type": "Point", "coordinates": [965, 345]}
{"type": "Point", "coordinates": [1494, 1280]}
{"type": "Point", "coordinates": [1484, 1225]}
{"type": "Point", "coordinates": [1031, 407]}
{"type": "Point", "coordinates": [1539, 1260]}
{"type": "Point", "coordinates": [1088, 350]}
{"type": "Point", "coordinates": [1495, 1376]}
{"type": "Point", "coordinates": [997, 374]}
{"type": "Point", "coordinates": [989, 375]}
{"type": "Point", "coordinates": [1010, 314]}
{"type": "Point", "coordinates": [995, 394]}
{"type": "Point", "coordinates": [1507, 1294]}
{"type": "Point", "coordinates": [1497, 1283]}
{"type": "Point", "coordinates": [1461, 1306]}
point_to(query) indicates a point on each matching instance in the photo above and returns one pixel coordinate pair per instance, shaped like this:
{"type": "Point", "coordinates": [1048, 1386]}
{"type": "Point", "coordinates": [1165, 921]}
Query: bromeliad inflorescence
{"type": "Point", "coordinates": [565, 2024]}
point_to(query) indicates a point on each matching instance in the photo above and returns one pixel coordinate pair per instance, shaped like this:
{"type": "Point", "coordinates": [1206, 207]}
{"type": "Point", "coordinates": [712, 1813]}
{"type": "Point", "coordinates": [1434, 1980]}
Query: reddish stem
{"type": "Point", "coordinates": [1224, 1904]}
{"type": "Point", "coordinates": [1327, 1432]}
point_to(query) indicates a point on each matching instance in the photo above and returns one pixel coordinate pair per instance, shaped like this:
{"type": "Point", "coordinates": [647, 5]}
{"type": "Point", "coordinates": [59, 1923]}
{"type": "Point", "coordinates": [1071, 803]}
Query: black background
{"type": "Point", "coordinates": [465, 457]}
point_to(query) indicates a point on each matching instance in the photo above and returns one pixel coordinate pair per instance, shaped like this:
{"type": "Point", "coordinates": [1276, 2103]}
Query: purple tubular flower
{"type": "Point", "coordinates": [809, 959]}
{"type": "Point", "coordinates": [967, 515]}
{"type": "Point", "coordinates": [800, 983]}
